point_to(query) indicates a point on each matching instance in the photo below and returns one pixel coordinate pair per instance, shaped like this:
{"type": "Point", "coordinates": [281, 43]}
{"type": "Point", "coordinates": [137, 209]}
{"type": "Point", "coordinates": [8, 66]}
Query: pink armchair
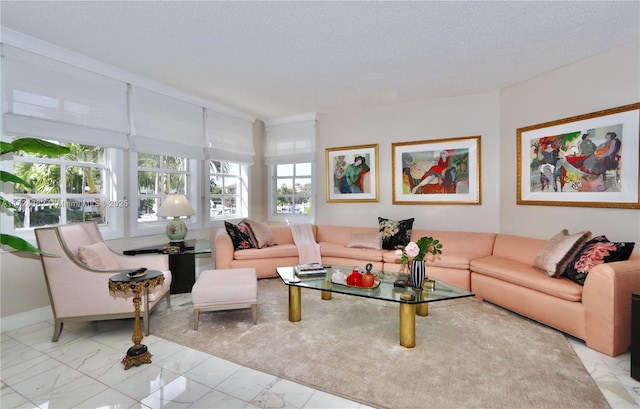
{"type": "Point", "coordinates": [77, 275]}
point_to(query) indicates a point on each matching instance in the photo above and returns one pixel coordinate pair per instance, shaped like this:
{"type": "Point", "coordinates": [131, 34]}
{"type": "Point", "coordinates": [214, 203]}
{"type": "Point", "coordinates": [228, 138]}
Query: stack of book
{"type": "Point", "coordinates": [310, 269]}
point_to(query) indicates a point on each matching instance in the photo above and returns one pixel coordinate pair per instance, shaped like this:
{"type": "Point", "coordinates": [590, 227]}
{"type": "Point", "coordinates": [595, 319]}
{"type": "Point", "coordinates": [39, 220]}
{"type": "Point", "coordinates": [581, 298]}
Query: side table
{"type": "Point", "coordinates": [182, 262]}
{"type": "Point", "coordinates": [121, 283]}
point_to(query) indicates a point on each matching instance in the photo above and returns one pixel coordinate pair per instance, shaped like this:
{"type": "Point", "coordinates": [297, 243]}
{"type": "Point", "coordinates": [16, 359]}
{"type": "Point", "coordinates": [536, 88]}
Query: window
{"type": "Point", "coordinates": [292, 190]}
{"type": "Point", "coordinates": [159, 175]}
{"type": "Point", "coordinates": [228, 190]}
{"type": "Point", "coordinates": [72, 188]}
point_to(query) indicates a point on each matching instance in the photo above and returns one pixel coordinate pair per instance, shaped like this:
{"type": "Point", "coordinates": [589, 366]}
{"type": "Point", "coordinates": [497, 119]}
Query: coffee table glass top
{"type": "Point", "coordinates": [385, 291]}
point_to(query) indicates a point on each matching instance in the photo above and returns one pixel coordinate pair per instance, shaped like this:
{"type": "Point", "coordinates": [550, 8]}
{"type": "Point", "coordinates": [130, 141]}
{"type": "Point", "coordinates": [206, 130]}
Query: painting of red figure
{"type": "Point", "coordinates": [580, 161]}
{"type": "Point", "coordinates": [436, 171]}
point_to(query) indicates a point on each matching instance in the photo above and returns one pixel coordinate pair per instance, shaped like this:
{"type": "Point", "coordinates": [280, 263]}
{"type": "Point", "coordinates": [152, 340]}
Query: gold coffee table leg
{"type": "Point", "coordinates": [407, 325]}
{"type": "Point", "coordinates": [422, 309]}
{"type": "Point", "coordinates": [295, 304]}
{"type": "Point", "coordinates": [326, 295]}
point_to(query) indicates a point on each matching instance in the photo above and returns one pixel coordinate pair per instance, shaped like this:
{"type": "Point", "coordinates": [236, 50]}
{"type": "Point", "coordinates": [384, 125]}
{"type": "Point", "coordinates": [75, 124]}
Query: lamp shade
{"type": "Point", "coordinates": [175, 205]}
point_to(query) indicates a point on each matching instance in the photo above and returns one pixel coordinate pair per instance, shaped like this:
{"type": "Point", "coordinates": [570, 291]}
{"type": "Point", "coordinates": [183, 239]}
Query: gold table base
{"type": "Point", "coordinates": [408, 314]}
{"type": "Point", "coordinates": [130, 361]}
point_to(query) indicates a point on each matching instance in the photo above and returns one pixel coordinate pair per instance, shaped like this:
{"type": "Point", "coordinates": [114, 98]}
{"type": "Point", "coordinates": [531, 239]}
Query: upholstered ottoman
{"type": "Point", "coordinates": [229, 289]}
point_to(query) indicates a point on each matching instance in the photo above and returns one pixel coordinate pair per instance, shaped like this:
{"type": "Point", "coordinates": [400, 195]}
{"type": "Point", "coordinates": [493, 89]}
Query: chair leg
{"type": "Point", "coordinates": [57, 329]}
{"type": "Point", "coordinates": [196, 313]}
{"type": "Point", "coordinates": [254, 310]}
{"type": "Point", "coordinates": [168, 297]}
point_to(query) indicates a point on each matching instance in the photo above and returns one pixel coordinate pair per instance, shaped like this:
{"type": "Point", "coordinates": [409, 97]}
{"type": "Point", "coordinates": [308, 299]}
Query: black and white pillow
{"type": "Point", "coordinates": [395, 233]}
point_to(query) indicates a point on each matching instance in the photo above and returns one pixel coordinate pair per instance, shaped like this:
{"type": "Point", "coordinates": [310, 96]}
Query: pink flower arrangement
{"type": "Point", "coordinates": [418, 249]}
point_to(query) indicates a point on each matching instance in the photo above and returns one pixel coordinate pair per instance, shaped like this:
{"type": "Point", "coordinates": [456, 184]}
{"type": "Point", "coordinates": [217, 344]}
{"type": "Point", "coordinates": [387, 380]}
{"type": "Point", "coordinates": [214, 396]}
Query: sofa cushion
{"type": "Point", "coordinates": [340, 251]}
{"type": "Point", "coordinates": [524, 275]}
{"type": "Point", "coordinates": [239, 235]}
{"type": "Point", "coordinates": [449, 260]}
{"type": "Point", "coordinates": [559, 251]}
{"type": "Point", "coordinates": [279, 251]}
{"type": "Point", "coordinates": [98, 256]}
{"type": "Point", "coordinates": [260, 233]}
{"type": "Point", "coordinates": [365, 241]}
{"type": "Point", "coordinates": [596, 251]}
{"type": "Point", "coordinates": [395, 233]}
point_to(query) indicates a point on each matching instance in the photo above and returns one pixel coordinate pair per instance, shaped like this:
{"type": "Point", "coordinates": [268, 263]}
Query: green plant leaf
{"type": "Point", "coordinates": [33, 145]}
{"type": "Point", "coordinates": [5, 204]}
{"type": "Point", "coordinates": [5, 147]}
{"type": "Point", "coordinates": [10, 177]}
{"type": "Point", "coordinates": [20, 244]}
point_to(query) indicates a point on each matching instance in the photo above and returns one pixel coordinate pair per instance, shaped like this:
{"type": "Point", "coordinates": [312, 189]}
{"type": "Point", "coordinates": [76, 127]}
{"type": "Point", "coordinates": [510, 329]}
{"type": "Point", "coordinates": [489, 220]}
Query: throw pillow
{"type": "Point", "coordinates": [395, 233]}
{"type": "Point", "coordinates": [97, 256]}
{"type": "Point", "coordinates": [239, 235]}
{"type": "Point", "coordinates": [596, 251]}
{"type": "Point", "coordinates": [260, 233]}
{"type": "Point", "coordinates": [558, 252]}
{"type": "Point", "coordinates": [365, 241]}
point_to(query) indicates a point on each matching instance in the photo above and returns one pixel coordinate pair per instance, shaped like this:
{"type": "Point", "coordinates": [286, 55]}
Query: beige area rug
{"type": "Point", "coordinates": [468, 354]}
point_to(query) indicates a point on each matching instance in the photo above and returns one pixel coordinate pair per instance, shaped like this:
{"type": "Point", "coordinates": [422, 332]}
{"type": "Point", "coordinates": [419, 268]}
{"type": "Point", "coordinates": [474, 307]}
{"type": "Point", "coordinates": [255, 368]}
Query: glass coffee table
{"type": "Point", "coordinates": [412, 302]}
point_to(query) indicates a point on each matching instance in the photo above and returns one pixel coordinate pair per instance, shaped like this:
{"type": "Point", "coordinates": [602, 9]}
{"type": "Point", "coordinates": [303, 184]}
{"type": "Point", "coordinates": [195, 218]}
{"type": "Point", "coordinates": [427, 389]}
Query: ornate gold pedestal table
{"type": "Point", "coordinates": [121, 283]}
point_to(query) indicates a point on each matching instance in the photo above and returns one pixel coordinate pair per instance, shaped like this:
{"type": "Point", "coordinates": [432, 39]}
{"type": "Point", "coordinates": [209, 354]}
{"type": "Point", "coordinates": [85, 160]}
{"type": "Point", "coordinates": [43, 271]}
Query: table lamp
{"type": "Point", "coordinates": [176, 205]}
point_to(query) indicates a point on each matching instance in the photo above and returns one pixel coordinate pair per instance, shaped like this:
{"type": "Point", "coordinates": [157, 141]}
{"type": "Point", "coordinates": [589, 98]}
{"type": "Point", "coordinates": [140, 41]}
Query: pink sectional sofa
{"type": "Point", "coordinates": [496, 267]}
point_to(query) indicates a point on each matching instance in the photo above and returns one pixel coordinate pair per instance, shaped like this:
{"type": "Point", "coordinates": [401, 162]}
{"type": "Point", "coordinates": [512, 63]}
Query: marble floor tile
{"type": "Point", "coordinates": [84, 370]}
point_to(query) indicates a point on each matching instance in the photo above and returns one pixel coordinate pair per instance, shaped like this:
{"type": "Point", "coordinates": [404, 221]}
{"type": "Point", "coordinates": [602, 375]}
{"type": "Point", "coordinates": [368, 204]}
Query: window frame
{"type": "Point", "coordinates": [137, 229]}
{"type": "Point", "coordinates": [243, 196]}
{"type": "Point", "coordinates": [113, 197]}
{"type": "Point", "coordinates": [273, 195]}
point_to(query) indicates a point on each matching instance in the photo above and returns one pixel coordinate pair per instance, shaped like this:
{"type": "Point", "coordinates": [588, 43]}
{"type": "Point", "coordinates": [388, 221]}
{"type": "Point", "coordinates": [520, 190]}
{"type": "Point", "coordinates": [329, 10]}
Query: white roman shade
{"type": "Point", "coordinates": [46, 98]}
{"type": "Point", "coordinates": [228, 138]}
{"type": "Point", "coordinates": [164, 125]}
{"type": "Point", "coordinates": [290, 142]}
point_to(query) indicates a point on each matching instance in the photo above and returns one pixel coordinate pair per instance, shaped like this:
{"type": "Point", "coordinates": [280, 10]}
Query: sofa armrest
{"type": "Point", "coordinates": [223, 247]}
{"type": "Point", "coordinates": [606, 297]}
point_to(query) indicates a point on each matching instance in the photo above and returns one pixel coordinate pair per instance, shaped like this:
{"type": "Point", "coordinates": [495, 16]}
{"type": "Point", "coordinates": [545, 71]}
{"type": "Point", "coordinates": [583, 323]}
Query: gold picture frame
{"type": "Point", "coordinates": [352, 174]}
{"type": "Point", "coordinates": [588, 160]}
{"type": "Point", "coordinates": [439, 171]}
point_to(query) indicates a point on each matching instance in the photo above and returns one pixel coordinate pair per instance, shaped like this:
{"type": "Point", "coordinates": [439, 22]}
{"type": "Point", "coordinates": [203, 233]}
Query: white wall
{"type": "Point", "coordinates": [422, 120]}
{"type": "Point", "coordinates": [607, 80]}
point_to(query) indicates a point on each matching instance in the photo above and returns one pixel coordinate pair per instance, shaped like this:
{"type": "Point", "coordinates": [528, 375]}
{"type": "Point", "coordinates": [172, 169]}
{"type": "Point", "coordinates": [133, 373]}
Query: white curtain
{"type": "Point", "coordinates": [46, 98]}
{"type": "Point", "coordinates": [290, 142]}
{"type": "Point", "coordinates": [228, 138]}
{"type": "Point", "coordinates": [166, 126]}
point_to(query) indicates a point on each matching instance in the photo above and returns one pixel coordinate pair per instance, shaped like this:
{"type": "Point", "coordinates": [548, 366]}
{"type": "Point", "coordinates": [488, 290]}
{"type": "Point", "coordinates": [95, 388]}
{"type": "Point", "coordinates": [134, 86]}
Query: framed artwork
{"type": "Point", "coordinates": [588, 160]}
{"type": "Point", "coordinates": [352, 174]}
{"type": "Point", "coordinates": [440, 171]}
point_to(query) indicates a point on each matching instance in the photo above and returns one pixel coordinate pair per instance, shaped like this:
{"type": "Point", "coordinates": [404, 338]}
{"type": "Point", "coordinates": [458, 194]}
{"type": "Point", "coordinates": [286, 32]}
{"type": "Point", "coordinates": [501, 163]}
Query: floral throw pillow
{"type": "Point", "coordinates": [395, 233]}
{"type": "Point", "coordinates": [239, 235]}
{"type": "Point", "coordinates": [596, 251]}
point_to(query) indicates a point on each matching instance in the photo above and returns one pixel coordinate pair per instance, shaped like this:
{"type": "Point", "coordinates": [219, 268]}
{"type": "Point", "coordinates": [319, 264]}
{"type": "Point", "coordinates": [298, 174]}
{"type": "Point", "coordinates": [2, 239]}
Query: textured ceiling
{"type": "Point", "coordinates": [275, 59]}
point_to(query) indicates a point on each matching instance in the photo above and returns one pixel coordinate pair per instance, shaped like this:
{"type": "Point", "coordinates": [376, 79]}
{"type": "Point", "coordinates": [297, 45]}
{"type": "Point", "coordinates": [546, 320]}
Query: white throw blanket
{"type": "Point", "coordinates": [308, 249]}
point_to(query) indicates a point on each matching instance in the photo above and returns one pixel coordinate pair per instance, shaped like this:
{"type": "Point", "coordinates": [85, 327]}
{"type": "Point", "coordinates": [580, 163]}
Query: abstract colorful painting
{"type": "Point", "coordinates": [352, 174]}
{"type": "Point", "coordinates": [443, 171]}
{"type": "Point", "coordinates": [590, 160]}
